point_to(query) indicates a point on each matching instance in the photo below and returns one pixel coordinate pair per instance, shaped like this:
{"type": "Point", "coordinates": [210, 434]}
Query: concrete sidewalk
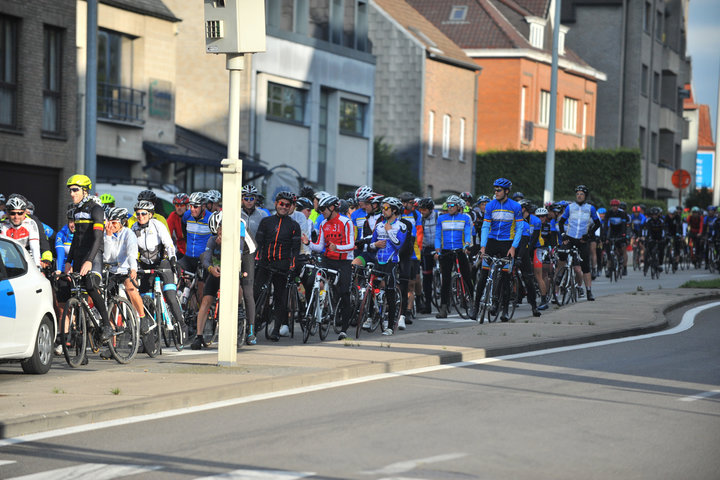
{"type": "Point", "coordinates": [104, 390]}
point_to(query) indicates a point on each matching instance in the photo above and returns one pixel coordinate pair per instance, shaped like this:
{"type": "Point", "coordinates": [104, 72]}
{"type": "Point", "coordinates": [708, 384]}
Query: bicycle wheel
{"type": "Point", "coordinates": [566, 287]}
{"type": "Point", "coordinates": [75, 340]}
{"type": "Point", "coordinates": [336, 319]}
{"type": "Point", "coordinates": [176, 333]}
{"type": "Point", "coordinates": [327, 313]}
{"type": "Point", "coordinates": [636, 258]}
{"type": "Point", "coordinates": [436, 288]}
{"type": "Point", "coordinates": [151, 340]}
{"type": "Point", "coordinates": [292, 308]}
{"type": "Point", "coordinates": [124, 345]}
{"type": "Point", "coordinates": [457, 296]}
{"type": "Point", "coordinates": [514, 295]}
{"type": "Point", "coordinates": [210, 330]}
{"type": "Point", "coordinates": [485, 300]}
{"type": "Point", "coordinates": [190, 312]}
{"type": "Point", "coordinates": [496, 298]}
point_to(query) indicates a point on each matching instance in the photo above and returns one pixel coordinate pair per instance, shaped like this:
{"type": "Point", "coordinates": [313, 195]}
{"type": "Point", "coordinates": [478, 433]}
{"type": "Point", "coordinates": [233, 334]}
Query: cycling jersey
{"type": "Point", "coordinates": [615, 224]}
{"type": "Point", "coordinates": [358, 218]}
{"type": "Point", "coordinates": [211, 256]}
{"type": "Point", "coordinates": [174, 222]}
{"type": "Point", "coordinates": [673, 225]}
{"type": "Point", "coordinates": [414, 217]}
{"type": "Point", "coordinates": [253, 218]}
{"type": "Point", "coordinates": [429, 225]}
{"type": "Point", "coordinates": [198, 233]}
{"type": "Point", "coordinates": [695, 224]}
{"type": "Point", "coordinates": [87, 243]}
{"type": "Point", "coordinates": [153, 242]}
{"type": "Point", "coordinates": [654, 229]}
{"type": "Point", "coordinates": [131, 221]}
{"type": "Point", "coordinates": [579, 219]}
{"type": "Point", "coordinates": [453, 232]}
{"type": "Point", "coordinates": [548, 235]}
{"type": "Point", "coordinates": [340, 232]}
{"type": "Point", "coordinates": [636, 221]}
{"type": "Point", "coordinates": [394, 238]}
{"type": "Point", "coordinates": [278, 238]}
{"type": "Point", "coordinates": [26, 234]}
{"type": "Point", "coordinates": [708, 223]}
{"type": "Point", "coordinates": [62, 245]}
{"type": "Point", "coordinates": [533, 224]}
{"type": "Point", "coordinates": [121, 251]}
{"type": "Point", "coordinates": [503, 221]}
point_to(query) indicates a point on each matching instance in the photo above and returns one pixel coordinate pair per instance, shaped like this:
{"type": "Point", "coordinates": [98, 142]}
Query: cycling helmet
{"type": "Point", "coordinates": [197, 198]}
{"type": "Point", "coordinates": [482, 199]}
{"type": "Point", "coordinates": [503, 183]}
{"type": "Point", "coordinates": [636, 209]}
{"type": "Point", "coordinates": [711, 208]}
{"type": "Point", "coordinates": [16, 203]}
{"type": "Point", "coordinates": [107, 198]}
{"type": "Point", "coordinates": [672, 210]}
{"type": "Point", "coordinates": [2, 198]}
{"type": "Point", "coordinates": [320, 194]}
{"type": "Point", "coordinates": [259, 199]}
{"type": "Point", "coordinates": [213, 196]}
{"type": "Point", "coordinates": [215, 221]}
{"type": "Point", "coordinates": [655, 211]}
{"type": "Point", "coordinates": [181, 199]}
{"type": "Point", "coordinates": [328, 201]}
{"type": "Point", "coordinates": [117, 213]}
{"type": "Point", "coordinates": [623, 206]}
{"type": "Point", "coordinates": [352, 203]}
{"type": "Point", "coordinates": [249, 190]}
{"type": "Point", "coordinates": [285, 195]}
{"type": "Point", "coordinates": [394, 203]}
{"type": "Point", "coordinates": [517, 195]}
{"type": "Point", "coordinates": [82, 181]}
{"type": "Point", "coordinates": [599, 211]}
{"type": "Point", "coordinates": [306, 192]}
{"type": "Point", "coordinates": [453, 199]}
{"type": "Point", "coordinates": [375, 198]}
{"type": "Point", "coordinates": [525, 204]}
{"type": "Point", "coordinates": [363, 192]}
{"type": "Point", "coordinates": [462, 203]}
{"type": "Point", "coordinates": [406, 197]}
{"type": "Point", "coordinates": [426, 203]}
{"type": "Point", "coordinates": [303, 203]}
{"type": "Point", "coordinates": [467, 197]}
{"type": "Point", "coordinates": [343, 206]}
{"type": "Point", "coordinates": [582, 188]}
{"type": "Point", "coordinates": [148, 195]}
{"type": "Point", "coordinates": [541, 212]}
{"type": "Point", "coordinates": [614, 202]}
{"type": "Point", "coordinates": [144, 205]}
{"type": "Point", "coordinates": [695, 210]}
{"type": "Point", "coordinates": [30, 207]}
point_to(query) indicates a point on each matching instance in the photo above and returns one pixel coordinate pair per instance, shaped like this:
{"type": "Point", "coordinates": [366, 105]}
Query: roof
{"type": "Point", "coordinates": [689, 101]}
{"type": "Point", "coordinates": [436, 43]}
{"type": "Point", "coordinates": [494, 25]}
{"type": "Point", "coordinates": [705, 136]}
{"type": "Point", "coordinates": [152, 8]}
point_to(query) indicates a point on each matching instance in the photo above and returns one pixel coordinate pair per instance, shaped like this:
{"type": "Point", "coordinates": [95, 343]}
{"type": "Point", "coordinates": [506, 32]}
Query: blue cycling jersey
{"type": "Point", "coordinates": [358, 218]}
{"type": "Point", "coordinates": [637, 220]}
{"type": "Point", "coordinates": [394, 238]}
{"type": "Point", "coordinates": [415, 218]}
{"type": "Point", "coordinates": [453, 231]}
{"type": "Point", "coordinates": [532, 223]}
{"type": "Point", "coordinates": [503, 221]}
{"type": "Point", "coordinates": [198, 234]}
{"type": "Point", "coordinates": [579, 219]}
{"type": "Point", "coordinates": [63, 240]}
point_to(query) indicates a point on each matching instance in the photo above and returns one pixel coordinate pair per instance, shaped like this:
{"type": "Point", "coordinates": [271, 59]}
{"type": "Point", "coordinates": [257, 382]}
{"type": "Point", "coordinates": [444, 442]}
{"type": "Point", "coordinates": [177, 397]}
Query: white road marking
{"type": "Point", "coordinates": [6, 462]}
{"type": "Point", "coordinates": [247, 474]}
{"type": "Point", "coordinates": [89, 471]}
{"type": "Point", "coordinates": [686, 323]}
{"type": "Point", "coordinates": [408, 465]}
{"type": "Point", "coordinates": [700, 396]}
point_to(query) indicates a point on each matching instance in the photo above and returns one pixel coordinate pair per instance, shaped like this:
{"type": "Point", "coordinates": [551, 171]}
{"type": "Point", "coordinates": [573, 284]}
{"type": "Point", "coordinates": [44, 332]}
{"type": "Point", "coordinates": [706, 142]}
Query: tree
{"type": "Point", "coordinates": [392, 174]}
{"type": "Point", "coordinates": [699, 198]}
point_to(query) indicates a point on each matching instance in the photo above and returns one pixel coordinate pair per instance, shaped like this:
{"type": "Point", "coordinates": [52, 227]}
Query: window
{"type": "Point", "coordinates": [641, 142]}
{"type": "Point", "coordinates": [431, 133]}
{"type": "Point", "coordinates": [458, 13]}
{"type": "Point", "coordinates": [12, 261]}
{"type": "Point", "coordinates": [461, 154]}
{"type": "Point", "coordinates": [656, 87]}
{"type": "Point", "coordinates": [117, 100]}
{"type": "Point", "coordinates": [644, 80]}
{"type": "Point", "coordinates": [446, 137]}
{"type": "Point", "coordinates": [52, 69]}
{"type": "Point", "coordinates": [352, 117]}
{"type": "Point", "coordinates": [544, 118]}
{"type": "Point", "coordinates": [654, 147]}
{"type": "Point", "coordinates": [336, 21]}
{"type": "Point", "coordinates": [537, 31]}
{"type": "Point", "coordinates": [659, 26]}
{"type": "Point", "coordinates": [8, 71]}
{"type": "Point", "coordinates": [286, 103]}
{"type": "Point", "coordinates": [300, 19]}
{"type": "Point", "coordinates": [361, 27]}
{"type": "Point", "coordinates": [647, 13]}
{"type": "Point", "coordinates": [569, 122]}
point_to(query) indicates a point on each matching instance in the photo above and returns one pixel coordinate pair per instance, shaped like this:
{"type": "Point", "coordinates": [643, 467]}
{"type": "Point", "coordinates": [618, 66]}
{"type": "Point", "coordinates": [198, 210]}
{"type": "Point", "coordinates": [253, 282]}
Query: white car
{"type": "Point", "coordinates": [27, 319]}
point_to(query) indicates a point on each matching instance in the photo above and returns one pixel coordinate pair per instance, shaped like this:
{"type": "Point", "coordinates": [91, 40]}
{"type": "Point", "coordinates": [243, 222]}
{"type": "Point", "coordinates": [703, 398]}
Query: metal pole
{"type": "Point", "coordinates": [716, 166]}
{"type": "Point", "coordinates": [91, 91]}
{"type": "Point", "coordinates": [230, 255]}
{"type": "Point", "coordinates": [550, 156]}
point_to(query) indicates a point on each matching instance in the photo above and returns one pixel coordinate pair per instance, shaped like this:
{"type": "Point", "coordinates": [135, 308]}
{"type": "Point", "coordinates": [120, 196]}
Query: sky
{"type": "Point", "coordinates": [703, 45]}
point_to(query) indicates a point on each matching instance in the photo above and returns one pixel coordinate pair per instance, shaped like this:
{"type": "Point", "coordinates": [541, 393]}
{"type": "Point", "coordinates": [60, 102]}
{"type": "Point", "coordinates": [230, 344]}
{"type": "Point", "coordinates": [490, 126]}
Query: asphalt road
{"type": "Point", "coordinates": [634, 409]}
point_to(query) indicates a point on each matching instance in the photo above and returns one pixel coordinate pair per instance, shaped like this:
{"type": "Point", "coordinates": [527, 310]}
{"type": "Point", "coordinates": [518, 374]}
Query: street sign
{"type": "Point", "coordinates": [681, 178]}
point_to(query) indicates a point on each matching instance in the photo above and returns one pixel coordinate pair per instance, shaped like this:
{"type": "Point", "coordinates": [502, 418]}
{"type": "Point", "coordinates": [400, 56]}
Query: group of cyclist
{"type": "Point", "coordinates": [402, 237]}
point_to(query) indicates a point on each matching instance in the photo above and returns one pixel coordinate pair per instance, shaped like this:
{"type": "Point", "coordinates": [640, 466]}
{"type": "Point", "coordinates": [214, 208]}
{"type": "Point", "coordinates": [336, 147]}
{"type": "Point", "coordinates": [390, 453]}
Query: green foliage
{"type": "Point", "coordinates": [713, 283]}
{"type": "Point", "coordinates": [391, 174]}
{"type": "Point", "coordinates": [699, 198]}
{"type": "Point", "coordinates": [607, 173]}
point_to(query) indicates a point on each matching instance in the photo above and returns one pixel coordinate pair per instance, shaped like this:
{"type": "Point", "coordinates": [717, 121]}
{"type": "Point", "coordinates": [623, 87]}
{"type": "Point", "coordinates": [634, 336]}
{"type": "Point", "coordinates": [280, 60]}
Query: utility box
{"type": "Point", "coordinates": [234, 26]}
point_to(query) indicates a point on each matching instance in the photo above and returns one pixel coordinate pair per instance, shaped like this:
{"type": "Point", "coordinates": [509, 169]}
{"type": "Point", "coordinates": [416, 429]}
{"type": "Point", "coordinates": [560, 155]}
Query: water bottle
{"type": "Point", "coordinates": [185, 296]}
{"type": "Point", "coordinates": [96, 314]}
{"type": "Point", "coordinates": [322, 298]}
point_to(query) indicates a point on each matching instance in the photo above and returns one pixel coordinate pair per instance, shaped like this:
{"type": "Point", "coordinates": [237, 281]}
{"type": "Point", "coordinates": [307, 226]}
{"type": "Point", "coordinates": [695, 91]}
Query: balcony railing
{"type": "Point", "coordinates": [120, 104]}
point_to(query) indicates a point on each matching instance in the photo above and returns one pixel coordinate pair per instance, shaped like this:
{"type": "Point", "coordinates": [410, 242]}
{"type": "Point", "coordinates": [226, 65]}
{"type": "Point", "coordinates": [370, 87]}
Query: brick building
{"type": "Point", "coordinates": [38, 111]}
{"type": "Point", "coordinates": [426, 91]}
{"type": "Point", "coordinates": [511, 40]}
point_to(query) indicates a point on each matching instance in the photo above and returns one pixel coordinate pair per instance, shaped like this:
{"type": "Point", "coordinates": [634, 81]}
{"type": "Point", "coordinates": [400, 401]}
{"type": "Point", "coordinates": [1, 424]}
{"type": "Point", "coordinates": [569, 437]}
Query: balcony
{"type": "Point", "coordinates": [669, 120]}
{"type": "Point", "coordinates": [120, 104]}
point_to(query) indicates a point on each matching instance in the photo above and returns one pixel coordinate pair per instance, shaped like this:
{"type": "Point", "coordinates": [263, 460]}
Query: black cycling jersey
{"type": "Point", "coordinates": [654, 228]}
{"type": "Point", "coordinates": [278, 238]}
{"type": "Point", "coordinates": [615, 223]}
{"type": "Point", "coordinates": [673, 225]}
{"type": "Point", "coordinates": [87, 241]}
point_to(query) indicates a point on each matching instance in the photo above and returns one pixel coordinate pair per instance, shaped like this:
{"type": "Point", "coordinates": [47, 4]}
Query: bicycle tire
{"type": "Point", "coordinates": [362, 311]}
{"type": "Point", "coordinates": [190, 314]}
{"type": "Point", "coordinates": [151, 340]}
{"type": "Point", "coordinates": [376, 312]}
{"type": "Point", "coordinates": [565, 288]}
{"type": "Point", "coordinates": [210, 330]}
{"type": "Point", "coordinates": [336, 319]}
{"type": "Point", "coordinates": [123, 346]}
{"type": "Point", "coordinates": [326, 316]}
{"type": "Point", "coordinates": [177, 332]}
{"type": "Point", "coordinates": [495, 297]}
{"type": "Point", "coordinates": [514, 295]}
{"type": "Point", "coordinates": [456, 296]}
{"type": "Point", "coordinates": [261, 309]}
{"type": "Point", "coordinates": [292, 308]}
{"type": "Point", "coordinates": [436, 288]}
{"type": "Point", "coordinates": [483, 307]}
{"type": "Point", "coordinates": [75, 340]}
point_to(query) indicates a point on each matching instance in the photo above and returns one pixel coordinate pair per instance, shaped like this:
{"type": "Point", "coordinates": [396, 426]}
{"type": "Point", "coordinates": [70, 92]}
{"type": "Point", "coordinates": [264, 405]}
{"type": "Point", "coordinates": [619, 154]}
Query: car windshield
{"type": "Point", "coordinates": [12, 263]}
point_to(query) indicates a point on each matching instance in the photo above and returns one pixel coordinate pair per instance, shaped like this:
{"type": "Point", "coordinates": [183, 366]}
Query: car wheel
{"type": "Point", "coordinates": [42, 357]}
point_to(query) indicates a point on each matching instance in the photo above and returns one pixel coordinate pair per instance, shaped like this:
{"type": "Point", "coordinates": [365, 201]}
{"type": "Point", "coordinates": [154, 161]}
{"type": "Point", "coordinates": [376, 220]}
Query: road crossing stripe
{"type": "Point", "coordinates": [6, 462]}
{"type": "Point", "coordinates": [408, 465]}
{"type": "Point", "coordinates": [700, 396]}
{"type": "Point", "coordinates": [248, 474]}
{"type": "Point", "coordinates": [90, 471]}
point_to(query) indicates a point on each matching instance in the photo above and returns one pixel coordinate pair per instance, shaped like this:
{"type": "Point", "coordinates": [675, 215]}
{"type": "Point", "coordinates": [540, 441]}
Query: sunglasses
{"type": "Point", "coordinates": [452, 205]}
{"type": "Point", "coordinates": [16, 214]}
{"type": "Point", "coordinates": [386, 207]}
{"type": "Point", "coordinates": [284, 204]}
{"type": "Point", "coordinates": [74, 189]}
{"type": "Point", "coordinates": [498, 189]}
{"type": "Point", "coordinates": [142, 214]}
{"type": "Point", "coordinates": [195, 205]}
{"type": "Point", "coordinates": [249, 199]}
{"type": "Point", "coordinates": [179, 204]}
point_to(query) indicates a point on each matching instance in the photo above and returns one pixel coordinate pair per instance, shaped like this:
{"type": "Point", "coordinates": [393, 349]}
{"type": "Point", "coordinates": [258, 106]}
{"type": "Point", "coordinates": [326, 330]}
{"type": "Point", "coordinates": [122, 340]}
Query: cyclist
{"type": "Point", "coordinates": [453, 234]}
{"type": "Point", "coordinates": [251, 213]}
{"type": "Point", "coordinates": [174, 221]}
{"type": "Point", "coordinates": [107, 200]}
{"type": "Point", "coordinates": [695, 225]}
{"type": "Point", "coordinates": [654, 232]}
{"type": "Point", "coordinates": [579, 216]}
{"type": "Point", "coordinates": [636, 221]}
{"type": "Point", "coordinates": [336, 240]}
{"type": "Point", "coordinates": [260, 202]}
{"type": "Point", "coordinates": [541, 258]}
{"type": "Point", "coordinates": [409, 258]}
{"type": "Point", "coordinates": [359, 216]}
{"type": "Point", "coordinates": [150, 196]}
{"type": "Point", "coordinates": [45, 249]}
{"type": "Point", "coordinates": [429, 215]}
{"type": "Point", "coordinates": [21, 228]}
{"type": "Point", "coordinates": [85, 254]}
{"type": "Point", "coordinates": [500, 236]}
{"type": "Point", "coordinates": [374, 215]}
{"type": "Point", "coordinates": [525, 252]}
{"type": "Point", "coordinates": [708, 224]}
{"type": "Point", "coordinates": [213, 198]}
{"type": "Point", "coordinates": [278, 244]}
{"type": "Point", "coordinates": [518, 196]}
{"type": "Point", "coordinates": [674, 228]}
{"type": "Point", "coordinates": [2, 207]}
{"type": "Point", "coordinates": [615, 228]}
{"type": "Point", "coordinates": [63, 239]}
{"type": "Point", "coordinates": [155, 251]}
{"type": "Point", "coordinates": [195, 222]}
{"type": "Point", "coordinates": [46, 229]}
{"type": "Point", "coordinates": [387, 239]}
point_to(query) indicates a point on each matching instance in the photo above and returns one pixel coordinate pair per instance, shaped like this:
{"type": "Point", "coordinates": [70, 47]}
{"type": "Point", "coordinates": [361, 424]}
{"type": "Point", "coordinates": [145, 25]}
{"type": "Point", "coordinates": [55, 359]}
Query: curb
{"type": "Point", "coordinates": [196, 397]}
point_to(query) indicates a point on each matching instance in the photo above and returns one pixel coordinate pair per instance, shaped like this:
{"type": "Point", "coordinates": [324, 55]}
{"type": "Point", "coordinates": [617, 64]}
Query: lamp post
{"type": "Point", "coordinates": [550, 155]}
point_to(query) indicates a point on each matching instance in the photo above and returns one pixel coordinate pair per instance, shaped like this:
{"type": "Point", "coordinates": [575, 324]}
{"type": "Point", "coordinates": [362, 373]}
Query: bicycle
{"type": "Point", "coordinates": [212, 324]}
{"type": "Point", "coordinates": [567, 286]}
{"type": "Point", "coordinates": [669, 256]}
{"type": "Point", "coordinates": [374, 308]}
{"type": "Point", "coordinates": [83, 325]}
{"type": "Point", "coordinates": [189, 304]}
{"type": "Point", "coordinates": [320, 309]}
{"type": "Point", "coordinates": [614, 261]}
{"type": "Point", "coordinates": [492, 295]}
{"type": "Point", "coordinates": [460, 296]}
{"type": "Point", "coordinates": [436, 284]}
{"type": "Point", "coordinates": [164, 324]}
{"type": "Point", "coordinates": [652, 263]}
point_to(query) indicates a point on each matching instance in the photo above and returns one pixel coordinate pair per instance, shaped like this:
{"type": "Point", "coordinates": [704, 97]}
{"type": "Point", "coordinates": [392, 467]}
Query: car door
{"type": "Point", "coordinates": [15, 304]}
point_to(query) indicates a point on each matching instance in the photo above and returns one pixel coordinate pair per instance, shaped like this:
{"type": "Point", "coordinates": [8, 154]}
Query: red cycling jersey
{"type": "Point", "coordinates": [176, 232]}
{"type": "Point", "coordinates": [695, 224]}
{"type": "Point", "coordinates": [340, 232]}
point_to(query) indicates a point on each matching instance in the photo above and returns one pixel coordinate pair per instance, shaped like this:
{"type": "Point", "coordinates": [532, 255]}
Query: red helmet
{"type": "Point", "coordinates": [614, 202]}
{"type": "Point", "coordinates": [181, 199]}
{"type": "Point", "coordinates": [636, 209]}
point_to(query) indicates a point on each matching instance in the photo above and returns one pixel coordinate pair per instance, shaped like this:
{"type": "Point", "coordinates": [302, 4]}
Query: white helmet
{"type": "Point", "coordinates": [215, 221]}
{"type": "Point", "coordinates": [541, 211]}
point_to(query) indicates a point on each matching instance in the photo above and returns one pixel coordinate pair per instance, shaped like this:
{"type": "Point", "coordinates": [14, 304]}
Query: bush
{"type": "Point", "coordinates": [391, 174]}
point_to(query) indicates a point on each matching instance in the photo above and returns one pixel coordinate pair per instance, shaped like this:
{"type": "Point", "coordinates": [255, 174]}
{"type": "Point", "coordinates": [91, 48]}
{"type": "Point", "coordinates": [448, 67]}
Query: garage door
{"type": "Point", "coordinates": [39, 185]}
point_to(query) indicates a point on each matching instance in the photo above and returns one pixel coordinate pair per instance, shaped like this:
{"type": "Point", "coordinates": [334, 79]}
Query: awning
{"type": "Point", "coordinates": [162, 153]}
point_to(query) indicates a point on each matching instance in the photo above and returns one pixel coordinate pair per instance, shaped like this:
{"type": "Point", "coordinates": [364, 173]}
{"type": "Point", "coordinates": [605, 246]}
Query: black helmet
{"type": "Point", "coordinates": [406, 196]}
{"type": "Point", "coordinates": [426, 203]}
{"type": "Point", "coordinates": [303, 203]}
{"type": "Point", "coordinates": [518, 195]}
{"type": "Point", "coordinates": [285, 195]}
{"type": "Point", "coordinates": [582, 188]}
{"type": "Point", "coordinates": [343, 207]}
{"type": "Point", "coordinates": [148, 195]}
{"type": "Point", "coordinates": [306, 192]}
